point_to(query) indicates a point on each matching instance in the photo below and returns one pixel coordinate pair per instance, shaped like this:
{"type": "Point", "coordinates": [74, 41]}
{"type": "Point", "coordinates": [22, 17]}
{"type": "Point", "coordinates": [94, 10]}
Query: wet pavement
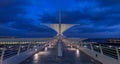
{"type": "Point", "coordinates": [70, 56]}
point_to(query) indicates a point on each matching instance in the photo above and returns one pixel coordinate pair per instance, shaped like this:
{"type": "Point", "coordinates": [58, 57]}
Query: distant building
{"type": "Point", "coordinates": [114, 40]}
{"type": "Point", "coordinates": [23, 40]}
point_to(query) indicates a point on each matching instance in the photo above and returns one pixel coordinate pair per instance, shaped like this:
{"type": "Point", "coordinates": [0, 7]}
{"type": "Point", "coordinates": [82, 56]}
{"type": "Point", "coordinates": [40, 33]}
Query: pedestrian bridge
{"type": "Point", "coordinates": [55, 51]}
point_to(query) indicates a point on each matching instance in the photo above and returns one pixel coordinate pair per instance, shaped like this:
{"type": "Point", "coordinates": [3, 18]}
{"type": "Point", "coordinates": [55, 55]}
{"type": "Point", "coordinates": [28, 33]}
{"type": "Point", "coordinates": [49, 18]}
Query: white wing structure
{"type": "Point", "coordinates": [64, 27]}
{"type": "Point", "coordinates": [54, 27]}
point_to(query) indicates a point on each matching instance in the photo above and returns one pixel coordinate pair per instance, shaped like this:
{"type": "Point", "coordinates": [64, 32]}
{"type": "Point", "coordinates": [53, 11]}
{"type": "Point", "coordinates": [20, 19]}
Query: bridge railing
{"type": "Point", "coordinates": [108, 50]}
{"type": "Point", "coordinates": [104, 49]}
{"type": "Point", "coordinates": [9, 49]}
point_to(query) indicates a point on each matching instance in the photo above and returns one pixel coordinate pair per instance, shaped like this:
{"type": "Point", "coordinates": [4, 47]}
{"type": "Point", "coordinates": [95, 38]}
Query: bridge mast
{"type": "Point", "coordinates": [60, 25]}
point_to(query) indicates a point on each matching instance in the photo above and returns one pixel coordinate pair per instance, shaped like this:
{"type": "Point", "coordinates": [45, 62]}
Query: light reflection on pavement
{"type": "Point", "coordinates": [70, 56]}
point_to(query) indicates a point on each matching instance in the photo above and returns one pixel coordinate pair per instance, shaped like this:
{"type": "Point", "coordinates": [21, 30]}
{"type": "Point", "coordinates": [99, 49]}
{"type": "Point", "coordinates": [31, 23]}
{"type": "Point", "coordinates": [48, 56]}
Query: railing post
{"type": "Point", "coordinates": [2, 56]}
{"type": "Point", "coordinates": [71, 45]}
{"type": "Point", "coordinates": [80, 44]}
{"type": "Point", "coordinates": [118, 56]}
{"type": "Point", "coordinates": [28, 47]}
{"type": "Point", "coordinates": [91, 46]}
{"type": "Point", "coordinates": [101, 51]}
{"type": "Point", "coordinates": [19, 50]}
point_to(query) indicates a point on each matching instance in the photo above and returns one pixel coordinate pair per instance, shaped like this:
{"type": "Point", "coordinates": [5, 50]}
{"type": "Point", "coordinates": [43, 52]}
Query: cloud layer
{"type": "Point", "coordinates": [24, 18]}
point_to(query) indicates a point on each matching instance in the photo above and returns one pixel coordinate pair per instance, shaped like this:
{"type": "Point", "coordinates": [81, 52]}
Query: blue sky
{"type": "Point", "coordinates": [25, 18]}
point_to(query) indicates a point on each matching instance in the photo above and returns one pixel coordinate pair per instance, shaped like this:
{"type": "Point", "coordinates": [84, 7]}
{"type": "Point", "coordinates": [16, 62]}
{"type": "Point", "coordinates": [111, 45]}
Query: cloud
{"type": "Point", "coordinates": [10, 10]}
{"type": "Point", "coordinates": [83, 18]}
{"type": "Point", "coordinates": [26, 29]}
{"type": "Point", "coordinates": [15, 20]}
{"type": "Point", "coordinates": [97, 18]}
{"type": "Point", "coordinates": [108, 2]}
{"type": "Point", "coordinates": [93, 20]}
{"type": "Point", "coordinates": [29, 25]}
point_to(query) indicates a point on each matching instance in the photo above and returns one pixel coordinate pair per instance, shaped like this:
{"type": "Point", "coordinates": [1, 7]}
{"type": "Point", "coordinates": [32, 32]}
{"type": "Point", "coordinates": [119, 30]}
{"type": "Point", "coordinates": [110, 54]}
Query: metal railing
{"type": "Point", "coordinates": [109, 50]}
{"type": "Point", "coordinates": [9, 50]}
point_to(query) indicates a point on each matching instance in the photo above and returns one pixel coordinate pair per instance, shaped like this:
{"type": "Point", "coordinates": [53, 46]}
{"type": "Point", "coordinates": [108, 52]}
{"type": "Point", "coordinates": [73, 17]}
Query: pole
{"type": "Point", "coordinates": [19, 50]}
{"type": "Point", "coordinates": [2, 56]}
{"type": "Point", "coordinates": [101, 51]}
{"type": "Point", "coordinates": [59, 25]}
{"type": "Point", "coordinates": [91, 46]}
{"type": "Point", "coordinates": [118, 56]}
{"type": "Point", "coordinates": [28, 47]}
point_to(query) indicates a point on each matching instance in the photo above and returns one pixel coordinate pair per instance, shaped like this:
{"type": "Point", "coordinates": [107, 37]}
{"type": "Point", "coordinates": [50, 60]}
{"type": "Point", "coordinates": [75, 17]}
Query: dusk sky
{"type": "Point", "coordinates": [26, 18]}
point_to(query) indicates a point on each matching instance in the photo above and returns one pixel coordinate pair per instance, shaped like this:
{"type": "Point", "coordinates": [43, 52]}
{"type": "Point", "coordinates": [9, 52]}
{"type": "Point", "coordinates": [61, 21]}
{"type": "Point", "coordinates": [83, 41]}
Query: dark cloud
{"type": "Point", "coordinates": [47, 18]}
{"type": "Point", "coordinates": [11, 9]}
{"type": "Point", "coordinates": [88, 29]}
{"type": "Point", "coordinates": [12, 16]}
{"type": "Point", "coordinates": [94, 21]}
{"type": "Point", "coordinates": [83, 18]}
{"type": "Point", "coordinates": [108, 2]}
{"type": "Point", "coordinates": [66, 17]}
{"type": "Point", "coordinates": [97, 18]}
{"type": "Point", "coordinates": [10, 32]}
{"type": "Point", "coordinates": [28, 25]}
{"type": "Point", "coordinates": [26, 28]}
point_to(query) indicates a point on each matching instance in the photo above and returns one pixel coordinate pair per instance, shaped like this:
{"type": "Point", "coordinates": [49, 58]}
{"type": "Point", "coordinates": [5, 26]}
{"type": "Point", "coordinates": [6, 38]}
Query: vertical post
{"type": "Point", "coordinates": [2, 56]}
{"type": "Point", "coordinates": [71, 45]}
{"type": "Point", "coordinates": [59, 49]}
{"type": "Point", "coordinates": [84, 44]}
{"type": "Point", "coordinates": [101, 51]}
{"type": "Point", "coordinates": [19, 50]}
{"type": "Point", "coordinates": [118, 56]}
{"type": "Point", "coordinates": [28, 47]}
{"type": "Point", "coordinates": [91, 46]}
{"type": "Point", "coordinates": [79, 43]}
{"type": "Point", "coordinates": [59, 25]}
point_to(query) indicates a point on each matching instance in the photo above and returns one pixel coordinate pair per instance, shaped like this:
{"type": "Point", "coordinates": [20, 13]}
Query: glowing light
{"type": "Point", "coordinates": [22, 46]}
{"type": "Point", "coordinates": [77, 52]}
{"type": "Point", "coordinates": [35, 49]}
{"type": "Point", "coordinates": [36, 58]}
{"type": "Point", "coordinates": [35, 46]}
{"type": "Point", "coordinates": [85, 46]}
{"type": "Point", "coordinates": [10, 46]}
{"type": "Point", "coordinates": [46, 48]}
{"type": "Point", "coordinates": [110, 46]}
{"type": "Point", "coordinates": [97, 46]}
{"type": "Point", "coordinates": [50, 46]}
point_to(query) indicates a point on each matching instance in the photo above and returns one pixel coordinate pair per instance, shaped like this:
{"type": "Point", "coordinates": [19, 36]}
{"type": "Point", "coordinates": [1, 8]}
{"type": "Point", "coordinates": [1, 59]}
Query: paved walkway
{"type": "Point", "coordinates": [70, 56]}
